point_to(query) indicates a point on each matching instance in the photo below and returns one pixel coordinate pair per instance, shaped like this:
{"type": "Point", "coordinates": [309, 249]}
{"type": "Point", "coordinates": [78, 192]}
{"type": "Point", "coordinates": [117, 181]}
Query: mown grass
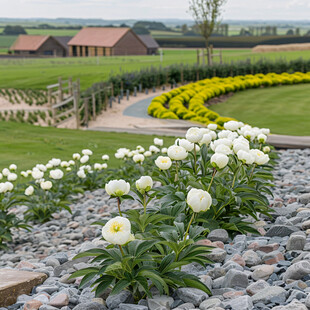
{"type": "Point", "coordinates": [27, 145]}
{"type": "Point", "coordinates": [283, 109]}
{"type": "Point", "coordinates": [38, 73]}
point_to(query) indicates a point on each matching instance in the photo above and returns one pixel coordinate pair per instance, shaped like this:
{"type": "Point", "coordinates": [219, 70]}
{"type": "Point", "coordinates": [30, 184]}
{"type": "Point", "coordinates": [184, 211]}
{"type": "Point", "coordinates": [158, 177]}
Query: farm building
{"type": "Point", "coordinates": [151, 44]}
{"type": "Point", "coordinates": [38, 45]}
{"type": "Point", "coordinates": [95, 41]}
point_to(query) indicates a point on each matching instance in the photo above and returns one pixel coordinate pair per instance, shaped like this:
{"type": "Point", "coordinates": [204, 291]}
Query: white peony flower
{"type": "Point", "coordinates": [41, 167]}
{"type": "Point", "coordinates": [206, 139]}
{"type": "Point", "coordinates": [219, 160]}
{"type": "Point", "coordinates": [199, 200]}
{"type": "Point", "coordinates": [119, 155]}
{"type": "Point", "coordinates": [189, 146]}
{"type": "Point", "coordinates": [55, 162]}
{"type": "Point", "coordinates": [144, 184]}
{"type": "Point", "coordinates": [68, 169]}
{"type": "Point", "coordinates": [265, 131]}
{"type": "Point", "coordinates": [13, 167]}
{"type": "Point", "coordinates": [87, 152]}
{"type": "Point", "coordinates": [147, 153]}
{"type": "Point", "coordinates": [84, 159]}
{"type": "Point", "coordinates": [232, 125]}
{"type": "Point", "coordinates": [1, 176]}
{"type": "Point", "coordinates": [140, 149]}
{"type": "Point", "coordinates": [245, 157]}
{"type": "Point", "coordinates": [105, 157]}
{"type": "Point", "coordinates": [224, 149]}
{"type": "Point", "coordinates": [218, 142]}
{"type": "Point", "coordinates": [49, 166]}
{"type": "Point", "coordinates": [81, 174]}
{"type": "Point", "coordinates": [241, 146]}
{"type": "Point", "coordinates": [64, 164]}
{"type": "Point", "coordinates": [104, 166]}
{"type": "Point", "coordinates": [212, 126]}
{"type": "Point", "coordinates": [12, 177]}
{"type": "Point", "coordinates": [164, 150]}
{"type": "Point", "coordinates": [37, 174]}
{"type": "Point", "coordinates": [5, 172]}
{"type": "Point", "coordinates": [163, 162]}
{"type": "Point", "coordinates": [194, 134]}
{"type": "Point", "coordinates": [117, 188]}
{"type": "Point", "coordinates": [139, 158]}
{"type": "Point", "coordinates": [46, 185]}
{"type": "Point", "coordinates": [261, 138]}
{"type": "Point", "coordinates": [176, 152]}
{"type": "Point", "coordinates": [23, 174]}
{"type": "Point", "coordinates": [71, 162]}
{"type": "Point", "coordinates": [56, 174]}
{"type": "Point", "coordinates": [266, 149]}
{"type": "Point", "coordinates": [76, 156]}
{"type": "Point", "coordinates": [159, 142]}
{"type": "Point", "coordinates": [260, 157]}
{"type": "Point", "coordinates": [29, 190]}
{"type": "Point", "coordinates": [117, 231]}
{"type": "Point", "coordinates": [97, 166]}
{"type": "Point", "coordinates": [6, 187]}
{"type": "Point", "coordinates": [154, 149]}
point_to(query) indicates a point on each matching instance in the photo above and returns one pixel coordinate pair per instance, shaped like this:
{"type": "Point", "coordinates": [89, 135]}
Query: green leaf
{"type": "Point", "coordinates": [119, 286]}
{"type": "Point", "coordinates": [195, 283]}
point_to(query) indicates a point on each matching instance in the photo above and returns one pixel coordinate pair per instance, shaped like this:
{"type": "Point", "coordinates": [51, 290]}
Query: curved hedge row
{"type": "Point", "coordinates": [188, 102]}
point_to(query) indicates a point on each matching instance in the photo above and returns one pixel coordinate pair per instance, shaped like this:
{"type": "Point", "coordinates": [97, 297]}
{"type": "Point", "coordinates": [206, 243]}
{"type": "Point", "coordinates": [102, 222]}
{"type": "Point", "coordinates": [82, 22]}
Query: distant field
{"type": "Point", "coordinates": [7, 41]}
{"type": "Point", "coordinates": [38, 73]}
{"type": "Point", "coordinates": [283, 109]}
{"type": "Point", "coordinates": [54, 32]}
{"type": "Point", "coordinates": [165, 34]}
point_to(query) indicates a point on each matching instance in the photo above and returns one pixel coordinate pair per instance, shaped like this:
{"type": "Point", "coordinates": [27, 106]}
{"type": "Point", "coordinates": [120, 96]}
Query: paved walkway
{"type": "Point", "coordinates": [131, 116]}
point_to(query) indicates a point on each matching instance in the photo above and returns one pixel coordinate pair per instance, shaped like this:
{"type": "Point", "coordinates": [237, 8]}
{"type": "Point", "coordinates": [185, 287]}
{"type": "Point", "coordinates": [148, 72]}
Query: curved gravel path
{"type": "Point", "coordinates": [270, 271]}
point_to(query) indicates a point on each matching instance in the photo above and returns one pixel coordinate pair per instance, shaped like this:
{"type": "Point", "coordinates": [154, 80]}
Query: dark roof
{"type": "Point", "coordinates": [98, 36]}
{"type": "Point", "coordinates": [148, 41]}
{"type": "Point", "coordinates": [64, 40]}
{"type": "Point", "coordinates": [26, 42]}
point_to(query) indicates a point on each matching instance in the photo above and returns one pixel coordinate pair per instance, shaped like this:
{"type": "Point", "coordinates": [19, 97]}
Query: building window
{"type": "Point", "coordinates": [86, 50]}
{"type": "Point", "coordinates": [96, 51]}
{"type": "Point", "coordinates": [74, 51]}
{"type": "Point", "coordinates": [103, 51]}
{"type": "Point", "coordinates": [81, 51]}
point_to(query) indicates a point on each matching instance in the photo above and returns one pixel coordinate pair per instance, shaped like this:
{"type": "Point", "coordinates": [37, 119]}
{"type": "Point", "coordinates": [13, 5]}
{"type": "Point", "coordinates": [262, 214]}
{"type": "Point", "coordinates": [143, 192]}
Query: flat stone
{"type": "Point", "coordinates": [32, 305]}
{"type": "Point", "coordinates": [268, 293]}
{"type": "Point", "coordinates": [297, 271]}
{"type": "Point", "coordinates": [268, 247]}
{"type": "Point", "coordinates": [294, 305]}
{"type": "Point", "coordinates": [192, 295]}
{"type": "Point", "coordinates": [131, 307]}
{"type": "Point", "coordinates": [90, 306]}
{"type": "Point", "coordinates": [236, 278]}
{"type": "Point", "coordinates": [15, 282]}
{"type": "Point", "coordinates": [256, 287]}
{"type": "Point", "coordinates": [306, 225]}
{"type": "Point", "coordinates": [210, 304]}
{"type": "Point", "coordinates": [281, 231]}
{"type": "Point", "coordinates": [160, 301]}
{"type": "Point", "coordinates": [233, 294]}
{"type": "Point", "coordinates": [296, 242]}
{"type": "Point", "coordinates": [262, 272]}
{"type": "Point", "coordinates": [238, 259]}
{"type": "Point", "coordinates": [217, 255]}
{"type": "Point", "coordinates": [59, 300]}
{"type": "Point", "coordinates": [273, 257]}
{"type": "Point", "coordinates": [218, 235]}
{"type": "Point", "coordinates": [304, 198]}
{"type": "Point", "coordinates": [240, 303]}
{"type": "Point", "coordinates": [251, 258]}
{"type": "Point", "coordinates": [67, 265]}
{"type": "Point", "coordinates": [307, 302]}
{"type": "Point", "coordinates": [124, 297]}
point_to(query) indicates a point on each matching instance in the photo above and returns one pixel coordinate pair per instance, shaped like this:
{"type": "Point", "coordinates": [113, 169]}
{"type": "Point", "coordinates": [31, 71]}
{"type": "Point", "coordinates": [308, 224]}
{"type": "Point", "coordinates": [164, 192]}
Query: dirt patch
{"type": "Point", "coordinates": [219, 99]}
{"type": "Point", "coordinates": [281, 48]}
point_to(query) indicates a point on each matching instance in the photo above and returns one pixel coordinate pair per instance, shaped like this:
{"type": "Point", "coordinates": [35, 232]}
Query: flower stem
{"type": "Point", "coordinates": [176, 178]}
{"type": "Point", "coordinates": [144, 203]}
{"type": "Point", "coordinates": [189, 224]}
{"type": "Point", "coordinates": [213, 175]}
{"type": "Point", "coordinates": [195, 157]}
{"type": "Point", "coordinates": [121, 249]}
{"type": "Point", "coordinates": [251, 175]}
{"type": "Point", "coordinates": [119, 206]}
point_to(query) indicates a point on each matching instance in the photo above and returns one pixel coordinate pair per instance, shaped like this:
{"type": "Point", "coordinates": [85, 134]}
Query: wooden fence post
{"type": "Point", "coordinates": [76, 108]}
{"type": "Point", "coordinates": [94, 105]}
{"type": "Point", "coordinates": [60, 91]}
{"type": "Point", "coordinates": [112, 90]}
{"type": "Point", "coordinates": [221, 57]}
{"type": "Point", "coordinates": [70, 86]}
{"type": "Point", "coordinates": [105, 100]}
{"type": "Point", "coordinates": [49, 97]}
{"type": "Point", "coordinates": [86, 111]}
{"type": "Point", "coordinates": [198, 62]}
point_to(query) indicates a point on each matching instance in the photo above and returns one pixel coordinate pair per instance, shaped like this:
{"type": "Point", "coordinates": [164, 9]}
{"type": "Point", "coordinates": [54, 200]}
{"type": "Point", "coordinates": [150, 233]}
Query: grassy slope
{"type": "Point", "coordinates": [27, 145]}
{"type": "Point", "coordinates": [283, 109]}
{"type": "Point", "coordinates": [38, 73]}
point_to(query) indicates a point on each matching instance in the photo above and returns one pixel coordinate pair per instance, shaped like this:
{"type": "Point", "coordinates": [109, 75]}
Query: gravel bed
{"type": "Point", "coordinates": [271, 271]}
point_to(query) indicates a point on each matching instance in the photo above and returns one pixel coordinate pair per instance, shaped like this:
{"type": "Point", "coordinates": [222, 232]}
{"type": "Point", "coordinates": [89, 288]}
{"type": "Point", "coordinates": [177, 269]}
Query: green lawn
{"type": "Point", "coordinates": [38, 73]}
{"type": "Point", "coordinates": [7, 41]}
{"type": "Point", "coordinates": [283, 109]}
{"type": "Point", "coordinates": [27, 145]}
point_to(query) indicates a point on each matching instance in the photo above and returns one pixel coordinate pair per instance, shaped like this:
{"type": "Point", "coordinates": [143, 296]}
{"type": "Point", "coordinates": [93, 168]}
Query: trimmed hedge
{"type": "Point", "coordinates": [188, 102]}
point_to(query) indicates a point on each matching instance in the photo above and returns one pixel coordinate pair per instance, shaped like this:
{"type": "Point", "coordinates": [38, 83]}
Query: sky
{"type": "Point", "coordinates": [152, 9]}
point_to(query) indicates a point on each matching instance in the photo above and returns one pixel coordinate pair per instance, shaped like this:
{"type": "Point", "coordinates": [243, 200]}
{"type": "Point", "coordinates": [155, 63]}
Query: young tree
{"type": "Point", "coordinates": [206, 14]}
